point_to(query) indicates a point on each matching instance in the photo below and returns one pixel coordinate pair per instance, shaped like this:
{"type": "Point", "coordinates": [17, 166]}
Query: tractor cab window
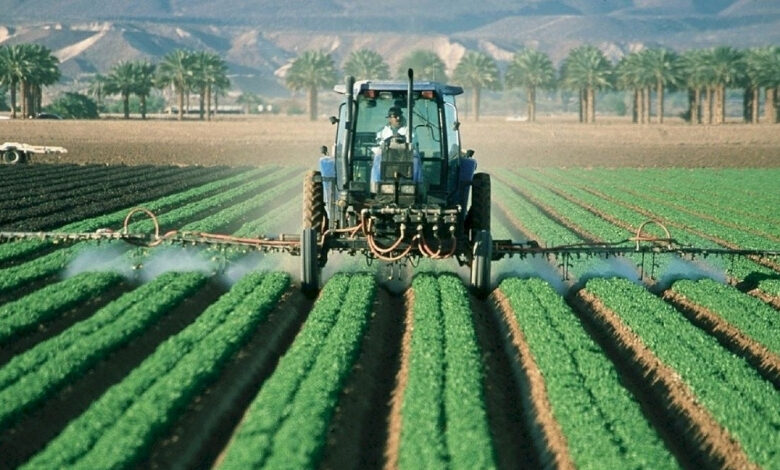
{"type": "Point", "coordinates": [371, 115]}
{"type": "Point", "coordinates": [453, 140]}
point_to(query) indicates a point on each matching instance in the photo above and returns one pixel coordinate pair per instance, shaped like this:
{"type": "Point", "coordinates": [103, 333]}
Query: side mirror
{"type": "Point", "coordinates": [324, 150]}
{"type": "Point", "coordinates": [469, 153]}
{"type": "Point", "coordinates": [456, 125]}
{"type": "Point", "coordinates": [333, 119]}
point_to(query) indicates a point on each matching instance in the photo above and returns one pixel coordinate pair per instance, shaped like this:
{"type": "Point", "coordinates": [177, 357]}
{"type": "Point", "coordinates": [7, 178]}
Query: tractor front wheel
{"type": "Point", "coordinates": [314, 221]}
{"type": "Point", "coordinates": [479, 213]}
{"type": "Point", "coordinates": [481, 258]}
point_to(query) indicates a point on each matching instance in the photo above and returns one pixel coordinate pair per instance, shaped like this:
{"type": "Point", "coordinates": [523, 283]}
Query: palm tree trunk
{"type": "Point", "coordinates": [475, 102]}
{"type": "Point", "coordinates": [181, 103]}
{"type": "Point", "coordinates": [754, 105]}
{"type": "Point", "coordinates": [13, 100]}
{"type": "Point", "coordinates": [208, 103]}
{"type": "Point", "coordinates": [126, 104]}
{"type": "Point", "coordinates": [634, 107]}
{"type": "Point", "coordinates": [659, 91]}
{"type": "Point", "coordinates": [721, 104]}
{"type": "Point", "coordinates": [24, 94]}
{"type": "Point", "coordinates": [312, 94]}
{"type": "Point", "coordinates": [696, 109]}
{"type": "Point", "coordinates": [143, 106]}
{"type": "Point", "coordinates": [591, 104]}
{"type": "Point", "coordinates": [770, 111]}
{"type": "Point", "coordinates": [647, 105]}
{"type": "Point", "coordinates": [216, 103]}
{"type": "Point", "coordinates": [531, 104]}
{"type": "Point", "coordinates": [201, 102]}
{"type": "Point", "coordinates": [582, 105]}
{"type": "Point", "coordinates": [706, 106]}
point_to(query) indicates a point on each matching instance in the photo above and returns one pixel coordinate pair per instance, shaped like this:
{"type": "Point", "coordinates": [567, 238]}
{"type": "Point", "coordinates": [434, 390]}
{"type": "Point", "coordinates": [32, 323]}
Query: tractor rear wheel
{"type": "Point", "coordinates": [314, 221]}
{"type": "Point", "coordinates": [480, 203]}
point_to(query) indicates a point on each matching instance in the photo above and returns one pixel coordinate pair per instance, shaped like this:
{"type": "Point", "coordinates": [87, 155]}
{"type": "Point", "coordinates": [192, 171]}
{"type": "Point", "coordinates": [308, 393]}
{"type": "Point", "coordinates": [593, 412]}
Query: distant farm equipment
{"type": "Point", "coordinates": [13, 153]}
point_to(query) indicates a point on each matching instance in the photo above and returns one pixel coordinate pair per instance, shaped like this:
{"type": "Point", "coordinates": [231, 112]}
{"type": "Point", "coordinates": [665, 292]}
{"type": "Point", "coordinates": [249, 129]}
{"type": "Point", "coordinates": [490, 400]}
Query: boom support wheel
{"type": "Point", "coordinates": [12, 157]}
{"type": "Point", "coordinates": [314, 221]}
{"type": "Point", "coordinates": [480, 264]}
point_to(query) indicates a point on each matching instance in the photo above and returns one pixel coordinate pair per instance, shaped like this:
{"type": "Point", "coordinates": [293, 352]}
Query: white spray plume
{"type": "Point", "coordinates": [679, 268]}
{"type": "Point", "coordinates": [530, 267]}
{"type": "Point", "coordinates": [101, 258]}
{"type": "Point", "coordinates": [178, 259]}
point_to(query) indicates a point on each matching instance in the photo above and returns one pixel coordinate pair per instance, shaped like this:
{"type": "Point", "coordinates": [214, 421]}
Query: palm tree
{"type": "Point", "coordinates": [530, 69]}
{"type": "Point", "coordinates": [13, 66]}
{"type": "Point", "coordinates": [144, 82]}
{"type": "Point", "coordinates": [426, 65]}
{"type": "Point", "coordinates": [122, 79]}
{"type": "Point", "coordinates": [175, 69]}
{"type": "Point", "coordinates": [312, 71]}
{"type": "Point", "coordinates": [45, 71]}
{"type": "Point", "coordinates": [762, 70]}
{"type": "Point", "coordinates": [631, 75]}
{"type": "Point", "coordinates": [248, 100]}
{"type": "Point", "coordinates": [366, 64]}
{"type": "Point", "coordinates": [208, 70]}
{"type": "Point", "coordinates": [96, 88]}
{"type": "Point", "coordinates": [697, 76]}
{"type": "Point", "coordinates": [477, 71]}
{"type": "Point", "coordinates": [727, 68]}
{"type": "Point", "coordinates": [587, 69]}
{"type": "Point", "coordinates": [664, 69]}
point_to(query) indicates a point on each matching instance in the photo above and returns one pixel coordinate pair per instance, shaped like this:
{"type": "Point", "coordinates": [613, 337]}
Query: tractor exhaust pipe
{"type": "Point", "coordinates": [346, 152]}
{"type": "Point", "coordinates": [409, 105]}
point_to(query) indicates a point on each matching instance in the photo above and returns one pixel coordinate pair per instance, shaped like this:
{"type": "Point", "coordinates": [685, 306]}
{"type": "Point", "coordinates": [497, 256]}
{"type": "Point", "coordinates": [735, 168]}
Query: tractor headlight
{"type": "Point", "coordinates": [408, 189]}
{"type": "Point", "coordinates": [387, 188]}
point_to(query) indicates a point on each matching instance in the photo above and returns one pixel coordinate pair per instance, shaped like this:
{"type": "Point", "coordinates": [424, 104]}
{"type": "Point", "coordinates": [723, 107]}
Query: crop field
{"type": "Point", "coordinates": [116, 356]}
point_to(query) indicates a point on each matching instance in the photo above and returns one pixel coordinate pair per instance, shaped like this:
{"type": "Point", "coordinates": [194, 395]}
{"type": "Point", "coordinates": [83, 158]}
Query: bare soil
{"type": "Point", "coordinates": [295, 140]}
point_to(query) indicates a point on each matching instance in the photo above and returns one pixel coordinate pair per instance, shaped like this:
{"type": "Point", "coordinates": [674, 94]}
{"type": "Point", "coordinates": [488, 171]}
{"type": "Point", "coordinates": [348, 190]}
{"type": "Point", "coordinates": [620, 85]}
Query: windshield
{"type": "Point", "coordinates": [371, 121]}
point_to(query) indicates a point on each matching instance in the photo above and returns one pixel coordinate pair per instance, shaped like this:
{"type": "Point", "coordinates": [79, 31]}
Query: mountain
{"type": "Point", "coordinates": [259, 38]}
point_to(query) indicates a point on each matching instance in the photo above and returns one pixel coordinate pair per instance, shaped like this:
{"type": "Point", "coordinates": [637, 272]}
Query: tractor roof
{"type": "Point", "coordinates": [439, 88]}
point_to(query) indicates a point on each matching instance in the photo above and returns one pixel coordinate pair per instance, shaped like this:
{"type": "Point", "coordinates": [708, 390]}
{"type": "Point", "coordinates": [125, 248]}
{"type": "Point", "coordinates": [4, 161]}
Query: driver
{"type": "Point", "coordinates": [395, 125]}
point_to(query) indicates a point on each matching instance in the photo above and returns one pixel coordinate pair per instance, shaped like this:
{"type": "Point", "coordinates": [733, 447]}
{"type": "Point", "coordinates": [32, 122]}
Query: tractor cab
{"type": "Point", "coordinates": [374, 164]}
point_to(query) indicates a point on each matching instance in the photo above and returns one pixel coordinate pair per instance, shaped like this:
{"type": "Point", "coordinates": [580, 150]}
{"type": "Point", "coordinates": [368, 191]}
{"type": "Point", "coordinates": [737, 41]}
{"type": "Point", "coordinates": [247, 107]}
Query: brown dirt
{"type": "Point", "coordinates": [716, 447]}
{"type": "Point", "coordinates": [767, 363]}
{"type": "Point", "coordinates": [394, 422]}
{"type": "Point", "coordinates": [549, 438]}
{"type": "Point", "coordinates": [498, 143]}
{"type": "Point", "coordinates": [772, 300]}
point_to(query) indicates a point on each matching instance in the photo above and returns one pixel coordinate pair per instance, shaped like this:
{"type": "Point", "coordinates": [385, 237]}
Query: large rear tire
{"type": "Point", "coordinates": [314, 221]}
{"type": "Point", "coordinates": [482, 256]}
{"type": "Point", "coordinates": [480, 204]}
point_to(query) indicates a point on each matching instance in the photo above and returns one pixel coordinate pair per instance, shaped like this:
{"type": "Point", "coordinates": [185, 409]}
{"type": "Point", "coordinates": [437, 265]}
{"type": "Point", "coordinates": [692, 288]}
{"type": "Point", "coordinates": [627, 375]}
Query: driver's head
{"type": "Point", "coordinates": [394, 116]}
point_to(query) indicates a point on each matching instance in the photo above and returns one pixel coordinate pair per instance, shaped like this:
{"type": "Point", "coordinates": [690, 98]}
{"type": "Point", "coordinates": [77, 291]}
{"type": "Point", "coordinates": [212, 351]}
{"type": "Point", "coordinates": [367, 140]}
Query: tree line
{"type": "Point", "coordinates": [705, 74]}
{"type": "Point", "coordinates": [29, 67]}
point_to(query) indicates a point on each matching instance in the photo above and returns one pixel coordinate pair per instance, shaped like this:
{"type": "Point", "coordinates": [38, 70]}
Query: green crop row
{"type": "Point", "coordinates": [241, 210]}
{"type": "Point", "coordinates": [739, 268]}
{"type": "Point", "coordinates": [444, 422]}
{"type": "Point", "coordinates": [748, 314]}
{"type": "Point", "coordinates": [33, 309]}
{"type": "Point", "coordinates": [287, 423]}
{"type": "Point", "coordinates": [734, 393]}
{"type": "Point", "coordinates": [118, 427]}
{"type": "Point", "coordinates": [602, 422]}
{"type": "Point", "coordinates": [35, 374]}
{"type": "Point", "coordinates": [10, 251]}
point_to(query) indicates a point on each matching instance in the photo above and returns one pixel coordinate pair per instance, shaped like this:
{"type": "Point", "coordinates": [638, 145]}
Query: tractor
{"type": "Point", "coordinates": [408, 196]}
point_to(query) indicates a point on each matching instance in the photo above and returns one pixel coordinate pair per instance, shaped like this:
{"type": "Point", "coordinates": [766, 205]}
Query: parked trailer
{"type": "Point", "coordinates": [12, 153]}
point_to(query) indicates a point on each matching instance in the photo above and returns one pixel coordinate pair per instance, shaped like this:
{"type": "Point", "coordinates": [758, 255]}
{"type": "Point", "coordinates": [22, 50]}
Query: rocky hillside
{"type": "Point", "coordinates": [259, 38]}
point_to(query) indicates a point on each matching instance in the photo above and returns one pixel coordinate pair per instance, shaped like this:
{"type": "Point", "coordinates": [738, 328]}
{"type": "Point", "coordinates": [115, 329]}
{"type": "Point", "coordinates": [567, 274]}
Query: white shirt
{"type": "Point", "coordinates": [387, 132]}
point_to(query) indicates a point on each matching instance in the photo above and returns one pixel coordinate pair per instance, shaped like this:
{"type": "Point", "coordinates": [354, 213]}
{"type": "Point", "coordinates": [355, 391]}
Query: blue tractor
{"type": "Point", "coordinates": [397, 195]}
